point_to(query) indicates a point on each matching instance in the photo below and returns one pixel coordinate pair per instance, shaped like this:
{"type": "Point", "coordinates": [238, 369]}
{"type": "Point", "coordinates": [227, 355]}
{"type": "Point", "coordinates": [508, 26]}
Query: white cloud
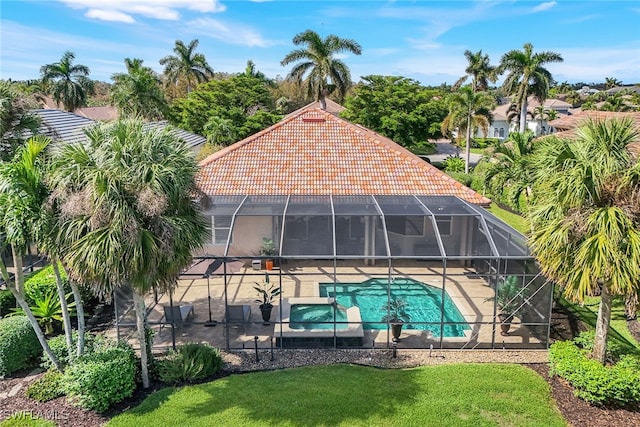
{"type": "Point", "coordinates": [32, 47]}
{"type": "Point", "coordinates": [122, 10]}
{"type": "Point", "coordinates": [544, 6]}
{"type": "Point", "coordinates": [232, 33]}
{"type": "Point", "coordinates": [109, 15]}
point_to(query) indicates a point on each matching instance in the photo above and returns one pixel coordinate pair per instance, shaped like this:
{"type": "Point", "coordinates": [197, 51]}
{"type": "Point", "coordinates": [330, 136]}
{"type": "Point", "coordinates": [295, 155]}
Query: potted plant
{"type": "Point", "coordinates": [268, 249]}
{"type": "Point", "coordinates": [266, 294]}
{"type": "Point", "coordinates": [508, 298]}
{"type": "Point", "coordinates": [397, 316]}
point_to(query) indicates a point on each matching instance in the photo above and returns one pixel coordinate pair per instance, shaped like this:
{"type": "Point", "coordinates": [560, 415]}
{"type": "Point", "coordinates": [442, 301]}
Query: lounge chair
{"type": "Point", "coordinates": [238, 316]}
{"type": "Point", "coordinates": [176, 315]}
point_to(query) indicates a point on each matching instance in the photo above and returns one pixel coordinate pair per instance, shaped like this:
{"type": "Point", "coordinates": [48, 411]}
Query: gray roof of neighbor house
{"type": "Point", "coordinates": [63, 126]}
{"type": "Point", "coordinates": [69, 127]}
{"type": "Point", "coordinates": [189, 138]}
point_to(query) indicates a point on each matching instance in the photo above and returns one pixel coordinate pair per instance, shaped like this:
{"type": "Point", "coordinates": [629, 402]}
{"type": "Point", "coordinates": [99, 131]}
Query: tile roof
{"type": "Point", "coordinates": [573, 121]}
{"type": "Point", "coordinates": [567, 125]}
{"type": "Point", "coordinates": [314, 152]}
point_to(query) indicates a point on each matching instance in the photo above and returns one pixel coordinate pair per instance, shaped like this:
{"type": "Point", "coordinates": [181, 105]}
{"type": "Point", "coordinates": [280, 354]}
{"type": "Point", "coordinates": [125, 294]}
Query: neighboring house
{"type": "Point", "coordinates": [69, 127]}
{"type": "Point", "coordinates": [500, 127]}
{"type": "Point", "coordinates": [626, 89]}
{"type": "Point", "coordinates": [567, 125]}
{"type": "Point", "coordinates": [105, 113]}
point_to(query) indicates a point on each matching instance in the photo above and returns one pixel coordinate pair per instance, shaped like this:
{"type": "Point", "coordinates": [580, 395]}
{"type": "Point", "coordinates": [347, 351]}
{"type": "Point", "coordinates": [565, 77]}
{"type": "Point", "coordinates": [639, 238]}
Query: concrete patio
{"type": "Point", "coordinates": [468, 290]}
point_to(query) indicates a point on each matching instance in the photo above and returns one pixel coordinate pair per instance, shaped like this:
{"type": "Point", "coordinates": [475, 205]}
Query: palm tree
{"type": "Point", "coordinates": [480, 71]}
{"type": "Point", "coordinates": [22, 192]}
{"type": "Point", "coordinates": [186, 66]}
{"type": "Point", "coordinates": [511, 166]}
{"type": "Point", "coordinates": [616, 102]}
{"type": "Point", "coordinates": [127, 211]}
{"type": "Point", "coordinates": [137, 92]}
{"type": "Point", "coordinates": [527, 76]}
{"type": "Point", "coordinates": [318, 62]}
{"type": "Point", "coordinates": [16, 122]}
{"type": "Point", "coordinates": [70, 84]}
{"type": "Point", "coordinates": [611, 82]}
{"type": "Point", "coordinates": [585, 221]}
{"type": "Point", "coordinates": [468, 111]}
{"type": "Point", "coordinates": [219, 131]}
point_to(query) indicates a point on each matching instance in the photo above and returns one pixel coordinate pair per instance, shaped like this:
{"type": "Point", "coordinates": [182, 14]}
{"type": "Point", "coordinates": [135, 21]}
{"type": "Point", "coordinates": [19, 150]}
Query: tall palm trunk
{"type": "Point", "coordinates": [523, 115]}
{"type": "Point", "coordinates": [80, 315]}
{"type": "Point", "coordinates": [66, 318]}
{"type": "Point", "coordinates": [141, 320]}
{"type": "Point", "coordinates": [17, 289]}
{"type": "Point", "coordinates": [602, 325]}
{"type": "Point", "coordinates": [77, 298]}
{"type": "Point", "coordinates": [468, 147]}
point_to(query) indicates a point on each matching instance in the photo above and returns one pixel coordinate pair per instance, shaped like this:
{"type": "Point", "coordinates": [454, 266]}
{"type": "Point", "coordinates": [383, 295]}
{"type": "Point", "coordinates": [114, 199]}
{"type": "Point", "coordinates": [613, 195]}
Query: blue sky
{"type": "Point", "coordinates": [423, 40]}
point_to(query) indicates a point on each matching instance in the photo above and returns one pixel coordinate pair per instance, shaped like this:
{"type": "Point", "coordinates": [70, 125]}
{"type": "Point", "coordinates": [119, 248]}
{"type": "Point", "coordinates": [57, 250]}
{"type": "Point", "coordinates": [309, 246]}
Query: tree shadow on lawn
{"type": "Point", "coordinates": [327, 395]}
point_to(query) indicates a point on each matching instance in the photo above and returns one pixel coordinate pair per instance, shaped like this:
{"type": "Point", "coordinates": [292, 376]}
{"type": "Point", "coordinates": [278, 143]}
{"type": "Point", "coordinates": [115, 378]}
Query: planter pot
{"type": "Point", "coordinates": [266, 313]}
{"type": "Point", "coordinates": [396, 330]}
{"type": "Point", "coordinates": [268, 264]}
{"type": "Point", "coordinates": [505, 325]}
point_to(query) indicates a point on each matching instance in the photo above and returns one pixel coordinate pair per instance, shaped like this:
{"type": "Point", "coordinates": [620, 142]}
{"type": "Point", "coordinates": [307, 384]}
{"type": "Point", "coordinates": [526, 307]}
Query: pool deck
{"type": "Point", "coordinates": [299, 279]}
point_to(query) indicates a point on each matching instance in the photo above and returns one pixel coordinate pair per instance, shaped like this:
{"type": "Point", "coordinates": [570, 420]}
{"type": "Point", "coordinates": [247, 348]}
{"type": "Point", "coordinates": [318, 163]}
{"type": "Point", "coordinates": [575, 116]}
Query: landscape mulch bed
{"type": "Point", "coordinates": [577, 412]}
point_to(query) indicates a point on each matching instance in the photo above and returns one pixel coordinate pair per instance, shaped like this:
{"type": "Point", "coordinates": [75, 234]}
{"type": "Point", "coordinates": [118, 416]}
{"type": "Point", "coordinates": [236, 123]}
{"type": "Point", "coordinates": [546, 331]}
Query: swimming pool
{"type": "Point", "coordinates": [423, 306]}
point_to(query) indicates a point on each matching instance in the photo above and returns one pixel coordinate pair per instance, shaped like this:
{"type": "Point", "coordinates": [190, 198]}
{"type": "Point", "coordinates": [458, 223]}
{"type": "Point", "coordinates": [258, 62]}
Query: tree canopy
{"type": "Point", "coordinates": [396, 107]}
{"type": "Point", "coordinates": [242, 99]}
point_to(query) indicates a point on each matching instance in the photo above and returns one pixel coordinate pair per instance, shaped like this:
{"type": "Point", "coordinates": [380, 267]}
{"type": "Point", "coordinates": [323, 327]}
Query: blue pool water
{"type": "Point", "coordinates": [423, 303]}
{"type": "Point", "coordinates": [316, 316]}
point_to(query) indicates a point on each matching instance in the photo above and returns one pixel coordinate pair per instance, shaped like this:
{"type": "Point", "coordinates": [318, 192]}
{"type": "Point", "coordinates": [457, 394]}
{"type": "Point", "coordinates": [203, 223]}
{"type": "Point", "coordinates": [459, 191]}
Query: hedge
{"type": "Point", "coordinates": [617, 384]}
{"type": "Point", "coordinates": [19, 345]}
{"type": "Point", "coordinates": [97, 381]}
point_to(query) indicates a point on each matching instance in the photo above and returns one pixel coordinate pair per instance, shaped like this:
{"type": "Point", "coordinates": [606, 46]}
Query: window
{"type": "Point", "coordinates": [495, 132]}
{"type": "Point", "coordinates": [221, 226]}
{"type": "Point", "coordinates": [350, 226]}
{"type": "Point", "coordinates": [406, 225]}
{"type": "Point", "coordinates": [296, 227]}
{"type": "Point", "coordinates": [444, 225]}
{"type": "Point", "coordinates": [501, 132]}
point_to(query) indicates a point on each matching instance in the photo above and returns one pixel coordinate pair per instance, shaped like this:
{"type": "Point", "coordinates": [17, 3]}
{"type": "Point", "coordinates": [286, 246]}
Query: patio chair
{"type": "Point", "coordinates": [238, 316]}
{"type": "Point", "coordinates": [176, 315]}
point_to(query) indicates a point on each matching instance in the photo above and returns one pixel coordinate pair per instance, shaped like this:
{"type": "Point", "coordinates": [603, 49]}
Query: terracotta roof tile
{"type": "Point", "coordinates": [314, 152]}
{"type": "Point", "coordinates": [567, 125]}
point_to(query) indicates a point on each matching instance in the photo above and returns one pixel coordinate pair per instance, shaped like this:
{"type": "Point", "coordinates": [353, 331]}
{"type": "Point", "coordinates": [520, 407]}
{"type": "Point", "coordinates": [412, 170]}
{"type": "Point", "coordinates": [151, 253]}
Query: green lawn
{"type": "Point", "coordinates": [346, 395]}
{"type": "Point", "coordinates": [514, 220]}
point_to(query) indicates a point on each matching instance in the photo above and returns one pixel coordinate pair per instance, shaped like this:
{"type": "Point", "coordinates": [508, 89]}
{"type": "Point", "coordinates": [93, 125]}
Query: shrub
{"type": "Point", "coordinates": [454, 164]}
{"type": "Point", "coordinates": [19, 344]}
{"type": "Point", "coordinates": [58, 346]}
{"type": "Point", "coordinates": [616, 385]}
{"type": "Point", "coordinates": [47, 387]}
{"type": "Point", "coordinates": [43, 281]}
{"type": "Point", "coordinates": [191, 362]}
{"type": "Point", "coordinates": [98, 380]}
{"type": "Point", "coordinates": [424, 148]}
{"type": "Point", "coordinates": [7, 302]}
{"type": "Point", "coordinates": [461, 177]}
{"type": "Point", "coordinates": [483, 142]}
{"type": "Point", "coordinates": [614, 348]}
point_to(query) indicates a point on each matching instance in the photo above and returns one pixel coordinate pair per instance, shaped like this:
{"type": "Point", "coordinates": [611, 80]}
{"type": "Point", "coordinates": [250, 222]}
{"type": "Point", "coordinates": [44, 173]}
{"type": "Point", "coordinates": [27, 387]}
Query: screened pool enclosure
{"type": "Point", "coordinates": [353, 272]}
